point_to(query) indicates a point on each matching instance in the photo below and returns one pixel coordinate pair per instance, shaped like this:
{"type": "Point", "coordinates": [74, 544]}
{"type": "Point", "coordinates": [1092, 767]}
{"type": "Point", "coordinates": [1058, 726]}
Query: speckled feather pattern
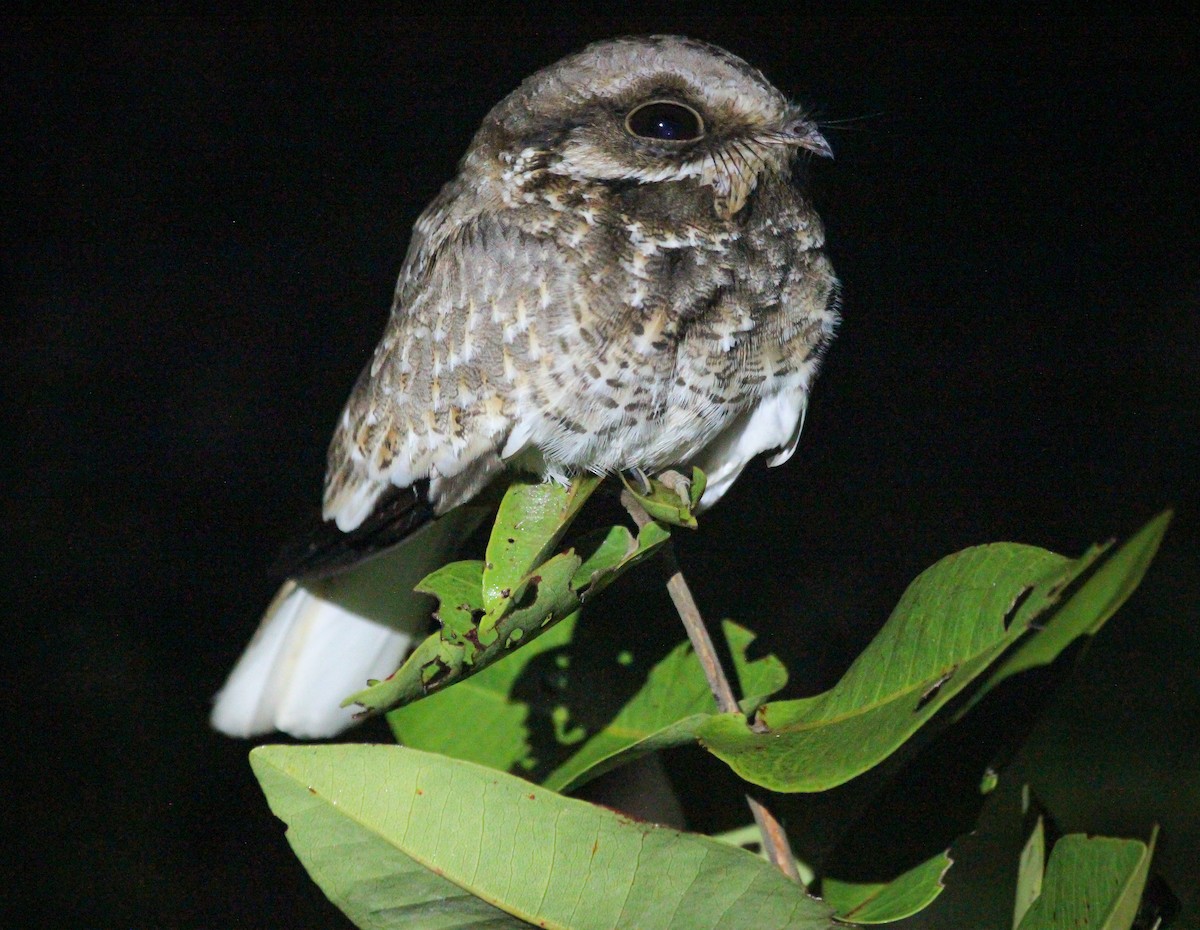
{"type": "Point", "coordinates": [581, 299]}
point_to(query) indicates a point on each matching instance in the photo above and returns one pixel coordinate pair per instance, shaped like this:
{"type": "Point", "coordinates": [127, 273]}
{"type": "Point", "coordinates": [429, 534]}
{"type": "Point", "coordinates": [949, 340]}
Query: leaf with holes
{"type": "Point", "coordinates": [472, 638]}
{"type": "Point", "coordinates": [1088, 609]}
{"type": "Point", "coordinates": [495, 720]}
{"type": "Point", "coordinates": [437, 663]}
{"type": "Point", "coordinates": [951, 624]}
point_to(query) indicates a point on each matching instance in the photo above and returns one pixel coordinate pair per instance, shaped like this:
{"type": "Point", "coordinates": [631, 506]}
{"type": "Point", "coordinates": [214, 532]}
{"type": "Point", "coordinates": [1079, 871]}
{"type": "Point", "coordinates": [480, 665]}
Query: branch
{"type": "Point", "coordinates": [774, 839]}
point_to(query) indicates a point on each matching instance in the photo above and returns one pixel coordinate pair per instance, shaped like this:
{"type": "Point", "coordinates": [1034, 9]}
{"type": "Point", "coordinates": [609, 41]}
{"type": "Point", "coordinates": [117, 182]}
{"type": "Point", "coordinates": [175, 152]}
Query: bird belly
{"type": "Point", "coordinates": [649, 420]}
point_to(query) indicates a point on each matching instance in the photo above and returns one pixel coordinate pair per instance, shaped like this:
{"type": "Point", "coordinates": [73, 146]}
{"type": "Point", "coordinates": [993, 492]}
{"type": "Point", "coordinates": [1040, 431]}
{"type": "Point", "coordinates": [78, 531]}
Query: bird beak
{"type": "Point", "coordinates": [807, 136]}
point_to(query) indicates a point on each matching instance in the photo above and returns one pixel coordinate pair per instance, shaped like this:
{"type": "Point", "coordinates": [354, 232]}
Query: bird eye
{"type": "Point", "coordinates": [664, 120]}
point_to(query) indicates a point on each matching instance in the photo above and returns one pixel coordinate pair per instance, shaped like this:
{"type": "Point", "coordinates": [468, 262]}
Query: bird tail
{"type": "Point", "coordinates": [323, 639]}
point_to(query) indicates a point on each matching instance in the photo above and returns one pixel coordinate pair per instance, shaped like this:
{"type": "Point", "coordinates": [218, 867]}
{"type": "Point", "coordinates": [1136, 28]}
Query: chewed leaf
{"type": "Point", "coordinates": [482, 720]}
{"type": "Point", "coordinates": [949, 626]}
{"type": "Point", "coordinates": [531, 520]}
{"type": "Point", "coordinates": [603, 551]}
{"type": "Point", "coordinates": [473, 637]}
{"type": "Point", "coordinates": [954, 621]}
{"type": "Point", "coordinates": [1088, 609]}
{"type": "Point", "coordinates": [397, 837]}
{"type": "Point", "coordinates": [439, 662]}
{"type": "Point", "coordinates": [607, 554]}
{"type": "Point", "coordinates": [460, 600]}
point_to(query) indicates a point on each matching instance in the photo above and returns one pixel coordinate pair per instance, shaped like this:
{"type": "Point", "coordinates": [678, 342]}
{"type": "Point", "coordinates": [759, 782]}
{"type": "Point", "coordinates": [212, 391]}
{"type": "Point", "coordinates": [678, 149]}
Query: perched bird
{"type": "Point", "coordinates": [624, 275]}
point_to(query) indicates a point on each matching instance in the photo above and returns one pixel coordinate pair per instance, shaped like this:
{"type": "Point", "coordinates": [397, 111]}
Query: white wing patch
{"type": "Point", "coordinates": [774, 423]}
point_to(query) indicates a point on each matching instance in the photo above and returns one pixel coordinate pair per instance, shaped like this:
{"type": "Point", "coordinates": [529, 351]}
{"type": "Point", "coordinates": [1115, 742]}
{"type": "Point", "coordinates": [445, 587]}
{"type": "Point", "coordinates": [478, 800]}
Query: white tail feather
{"type": "Point", "coordinates": [320, 641]}
{"type": "Point", "coordinates": [308, 654]}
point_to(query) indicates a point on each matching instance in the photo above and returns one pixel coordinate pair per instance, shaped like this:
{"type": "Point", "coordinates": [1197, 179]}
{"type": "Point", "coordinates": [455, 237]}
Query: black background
{"type": "Point", "coordinates": [203, 220]}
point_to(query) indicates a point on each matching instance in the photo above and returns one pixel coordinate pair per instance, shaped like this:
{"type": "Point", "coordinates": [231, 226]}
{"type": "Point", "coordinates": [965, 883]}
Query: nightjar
{"type": "Point", "coordinates": [624, 274]}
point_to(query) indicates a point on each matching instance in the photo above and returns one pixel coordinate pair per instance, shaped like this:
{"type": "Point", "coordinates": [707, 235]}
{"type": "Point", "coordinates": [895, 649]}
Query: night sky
{"type": "Point", "coordinates": [202, 224]}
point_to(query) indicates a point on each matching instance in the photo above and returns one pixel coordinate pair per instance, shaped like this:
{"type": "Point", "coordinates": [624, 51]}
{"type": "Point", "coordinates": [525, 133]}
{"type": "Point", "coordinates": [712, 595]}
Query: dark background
{"type": "Point", "coordinates": [202, 222]}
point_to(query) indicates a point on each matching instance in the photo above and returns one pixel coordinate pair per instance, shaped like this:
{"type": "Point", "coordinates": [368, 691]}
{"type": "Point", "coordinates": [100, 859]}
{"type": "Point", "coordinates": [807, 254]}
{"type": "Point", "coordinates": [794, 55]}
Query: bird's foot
{"type": "Point", "coordinates": [679, 484]}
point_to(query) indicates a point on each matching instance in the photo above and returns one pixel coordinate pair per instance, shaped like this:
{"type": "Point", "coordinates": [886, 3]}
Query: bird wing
{"type": "Point", "coordinates": [443, 391]}
{"type": "Point", "coordinates": [421, 433]}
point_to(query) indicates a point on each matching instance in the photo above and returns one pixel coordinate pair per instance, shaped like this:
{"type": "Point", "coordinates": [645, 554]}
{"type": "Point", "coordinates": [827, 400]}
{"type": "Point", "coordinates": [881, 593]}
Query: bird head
{"type": "Point", "coordinates": [649, 111]}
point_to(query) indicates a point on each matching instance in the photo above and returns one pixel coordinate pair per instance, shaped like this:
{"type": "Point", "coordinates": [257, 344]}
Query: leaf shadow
{"type": "Point", "coordinates": [928, 795]}
{"type": "Point", "coordinates": [575, 690]}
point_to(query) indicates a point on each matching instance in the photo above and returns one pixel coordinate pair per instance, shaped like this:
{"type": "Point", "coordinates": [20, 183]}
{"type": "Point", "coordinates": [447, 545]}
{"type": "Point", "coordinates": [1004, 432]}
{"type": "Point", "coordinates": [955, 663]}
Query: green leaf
{"type": "Point", "coordinates": [884, 902]}
{"type": "Point", "coordinates": [1088, 609]}
{"type": "Point", "coordinates": [612, 551]}
{"type": "Point", "coordinates": [1091, 883]}
{"type": "Point", "coordinates": [460, 601]}
{"type": "Point", "coordinates": [438, 663]}
{"type": "Point", "coordinates": [532, 518]}
{"type": "Point", "coordinates": [952, 623]}
{"type": "Point", "coordinates": [954, 620]}
{"type": "Point", "coordinates": [604, 551]}
{"type": "Point", "coordinates": [386, 830]}
{"type": "Point", "coordinates": [1029, 871]}
{"type": "Point", "coordinates": [670, 503]}
{"type": "Point", "coordinates": [757, 679]}
{"type": "Point", "coordinates": [481, 720]}
{"type": "Point", "coordinates": [473, 638]}
{"type": "Point", "coordinates": [697, 488]}
{"type": "Point", "coordinates": [668, 709]}
{"type": "Point", "coordinates": [548, 596]}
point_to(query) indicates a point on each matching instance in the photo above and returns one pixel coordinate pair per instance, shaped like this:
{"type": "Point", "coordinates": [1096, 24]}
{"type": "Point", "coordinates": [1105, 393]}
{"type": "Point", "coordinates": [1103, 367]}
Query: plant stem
{"type": "Point", "coordinates": [774, 839]}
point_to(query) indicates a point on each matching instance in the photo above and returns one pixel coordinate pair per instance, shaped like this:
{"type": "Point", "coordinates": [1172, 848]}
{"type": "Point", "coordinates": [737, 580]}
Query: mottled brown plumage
{"type": "Point", "coordinates": [582, 298]}
{"type": "Point", "coordinates": [623, 275]}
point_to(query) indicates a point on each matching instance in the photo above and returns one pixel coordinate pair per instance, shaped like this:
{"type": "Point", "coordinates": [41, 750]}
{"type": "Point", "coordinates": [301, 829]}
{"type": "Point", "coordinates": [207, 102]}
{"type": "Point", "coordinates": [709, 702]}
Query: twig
{"type": "Point", "coordinates": [774, 839]}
